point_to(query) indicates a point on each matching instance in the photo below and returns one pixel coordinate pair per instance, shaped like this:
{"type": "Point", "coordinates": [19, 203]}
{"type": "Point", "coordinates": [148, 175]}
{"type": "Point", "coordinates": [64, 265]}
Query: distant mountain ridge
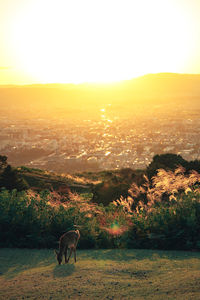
{"type": "Point", "coordinates": [156, 87]}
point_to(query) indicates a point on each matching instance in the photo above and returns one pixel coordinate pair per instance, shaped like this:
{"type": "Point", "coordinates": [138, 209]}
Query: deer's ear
{"type": "Point", "coordinates": [56, 252]}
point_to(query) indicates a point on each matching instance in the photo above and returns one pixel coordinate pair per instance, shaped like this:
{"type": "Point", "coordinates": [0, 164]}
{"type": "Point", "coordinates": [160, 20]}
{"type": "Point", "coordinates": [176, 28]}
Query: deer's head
{"type": "Point", "coordinates": [58, 256]}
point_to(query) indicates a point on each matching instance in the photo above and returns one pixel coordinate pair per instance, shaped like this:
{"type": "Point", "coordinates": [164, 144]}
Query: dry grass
{"type": "Point", "coordinates": [79, 180]}
{"type": "Point", "coordinates": [100, 274]}
{"type": "Point", "coordinates": [69, 200]}
{"type": "Point", "coordinates": [171, 183]}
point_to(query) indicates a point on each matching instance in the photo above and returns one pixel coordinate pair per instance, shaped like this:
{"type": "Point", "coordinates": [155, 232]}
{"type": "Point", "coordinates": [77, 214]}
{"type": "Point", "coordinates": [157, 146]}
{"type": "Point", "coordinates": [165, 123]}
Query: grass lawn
{"type": "Point", "coordinates": [100, 274]}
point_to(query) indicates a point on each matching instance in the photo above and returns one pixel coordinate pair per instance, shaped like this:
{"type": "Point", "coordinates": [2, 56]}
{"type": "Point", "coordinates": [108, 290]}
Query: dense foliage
{"type": "Point", "coordinates": [123, 208]}
{"type": "Point", "coordinates": [163, 213]}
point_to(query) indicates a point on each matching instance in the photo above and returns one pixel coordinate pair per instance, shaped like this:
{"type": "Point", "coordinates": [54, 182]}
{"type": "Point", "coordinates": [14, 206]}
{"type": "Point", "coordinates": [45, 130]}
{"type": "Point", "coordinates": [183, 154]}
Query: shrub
{"type": "Point", "coordinates": [169, 218]}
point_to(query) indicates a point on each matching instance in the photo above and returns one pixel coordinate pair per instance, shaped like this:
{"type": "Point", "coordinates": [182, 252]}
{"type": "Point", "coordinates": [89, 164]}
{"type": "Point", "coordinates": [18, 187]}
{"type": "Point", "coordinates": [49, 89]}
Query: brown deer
{"type": "Point", "coordinates": [67, 240]}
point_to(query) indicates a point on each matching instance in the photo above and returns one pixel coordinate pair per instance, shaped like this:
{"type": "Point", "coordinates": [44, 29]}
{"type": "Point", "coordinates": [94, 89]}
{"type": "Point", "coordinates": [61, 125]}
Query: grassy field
{"type": "Point", "coordinates": [100, 274]}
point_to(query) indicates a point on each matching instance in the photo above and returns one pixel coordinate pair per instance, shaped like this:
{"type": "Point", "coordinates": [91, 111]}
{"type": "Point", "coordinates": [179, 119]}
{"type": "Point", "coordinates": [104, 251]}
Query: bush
{"type": "Point", "coordinates": [168, 226]}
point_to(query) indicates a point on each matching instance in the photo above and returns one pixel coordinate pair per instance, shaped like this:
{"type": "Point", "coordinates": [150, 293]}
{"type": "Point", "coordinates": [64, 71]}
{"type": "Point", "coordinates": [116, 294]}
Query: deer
{"type": "Point", "coordinates": [68, 240]}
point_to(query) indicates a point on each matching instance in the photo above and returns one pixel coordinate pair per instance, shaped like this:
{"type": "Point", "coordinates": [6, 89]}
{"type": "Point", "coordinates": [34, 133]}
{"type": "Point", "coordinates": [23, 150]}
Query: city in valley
{"type": "Point", "coordinates": [105, 139]}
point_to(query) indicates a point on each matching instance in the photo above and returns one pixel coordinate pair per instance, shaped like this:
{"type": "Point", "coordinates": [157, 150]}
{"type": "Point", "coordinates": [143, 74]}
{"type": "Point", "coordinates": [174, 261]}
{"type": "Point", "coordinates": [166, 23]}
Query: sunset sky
{"type": "Point", "coordinates": [45, 41]}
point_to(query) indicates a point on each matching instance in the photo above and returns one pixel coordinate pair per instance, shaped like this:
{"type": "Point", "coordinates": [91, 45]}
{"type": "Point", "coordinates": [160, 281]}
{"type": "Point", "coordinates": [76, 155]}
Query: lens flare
{"type": "Point", "coordinates": [116, 229]}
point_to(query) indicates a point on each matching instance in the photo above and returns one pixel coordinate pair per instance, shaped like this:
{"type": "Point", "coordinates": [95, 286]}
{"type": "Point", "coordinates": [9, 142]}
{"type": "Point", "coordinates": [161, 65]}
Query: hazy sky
{"type": "Point", "coordinates": [97, 40]}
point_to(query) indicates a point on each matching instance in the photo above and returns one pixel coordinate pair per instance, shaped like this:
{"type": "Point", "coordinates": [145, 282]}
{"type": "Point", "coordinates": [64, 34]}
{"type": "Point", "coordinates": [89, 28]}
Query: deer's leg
{"type": "Point", "coordinates": [66, 260]}
{"type": "Point", "coordinates": [74, 254]}
{"type": "Point", "coordinates": [70, 254]}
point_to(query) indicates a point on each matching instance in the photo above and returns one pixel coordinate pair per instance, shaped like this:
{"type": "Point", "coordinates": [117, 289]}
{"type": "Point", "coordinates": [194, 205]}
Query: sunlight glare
{"type": "Point", "coordinates": [99, 41]}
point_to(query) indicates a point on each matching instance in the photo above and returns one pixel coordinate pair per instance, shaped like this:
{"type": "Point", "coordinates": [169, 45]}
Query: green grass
{"type": "Point", "coordinates": [100, 274]}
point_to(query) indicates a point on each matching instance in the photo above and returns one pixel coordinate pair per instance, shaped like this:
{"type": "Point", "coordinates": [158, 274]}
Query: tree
{"type": "Point", "coordinates": [108, 191]}
{"type": "Point", "coordinates": [169, 161]}
{"type": "Point", "coordinates": [194, 165]}
{"type": "Point", "coordinates": [10, 179]}
{"type": "Point", "coordinates": [3, 162]}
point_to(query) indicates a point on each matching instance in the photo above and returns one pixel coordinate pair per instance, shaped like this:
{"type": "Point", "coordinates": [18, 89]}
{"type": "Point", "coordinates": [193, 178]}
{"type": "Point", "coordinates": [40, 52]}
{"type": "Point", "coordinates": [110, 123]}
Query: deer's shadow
{"type": "Point", "coordinates": [63, 270]}
{"type": "Point", "coordinates": [15, 261]}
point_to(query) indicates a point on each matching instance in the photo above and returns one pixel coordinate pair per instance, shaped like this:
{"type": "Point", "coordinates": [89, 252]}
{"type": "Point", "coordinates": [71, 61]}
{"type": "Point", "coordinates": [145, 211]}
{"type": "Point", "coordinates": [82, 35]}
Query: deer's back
{"type": "Point", "coordinates": [70, 239]}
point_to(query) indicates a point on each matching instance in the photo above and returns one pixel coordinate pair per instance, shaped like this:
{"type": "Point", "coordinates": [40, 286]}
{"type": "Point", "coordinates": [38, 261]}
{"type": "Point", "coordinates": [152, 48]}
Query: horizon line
{"type": "Point", "coordinates": [95, 83]}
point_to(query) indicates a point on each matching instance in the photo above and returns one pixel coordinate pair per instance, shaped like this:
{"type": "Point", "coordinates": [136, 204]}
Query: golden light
{"type": "Point", "coordinates": [99, 41]}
